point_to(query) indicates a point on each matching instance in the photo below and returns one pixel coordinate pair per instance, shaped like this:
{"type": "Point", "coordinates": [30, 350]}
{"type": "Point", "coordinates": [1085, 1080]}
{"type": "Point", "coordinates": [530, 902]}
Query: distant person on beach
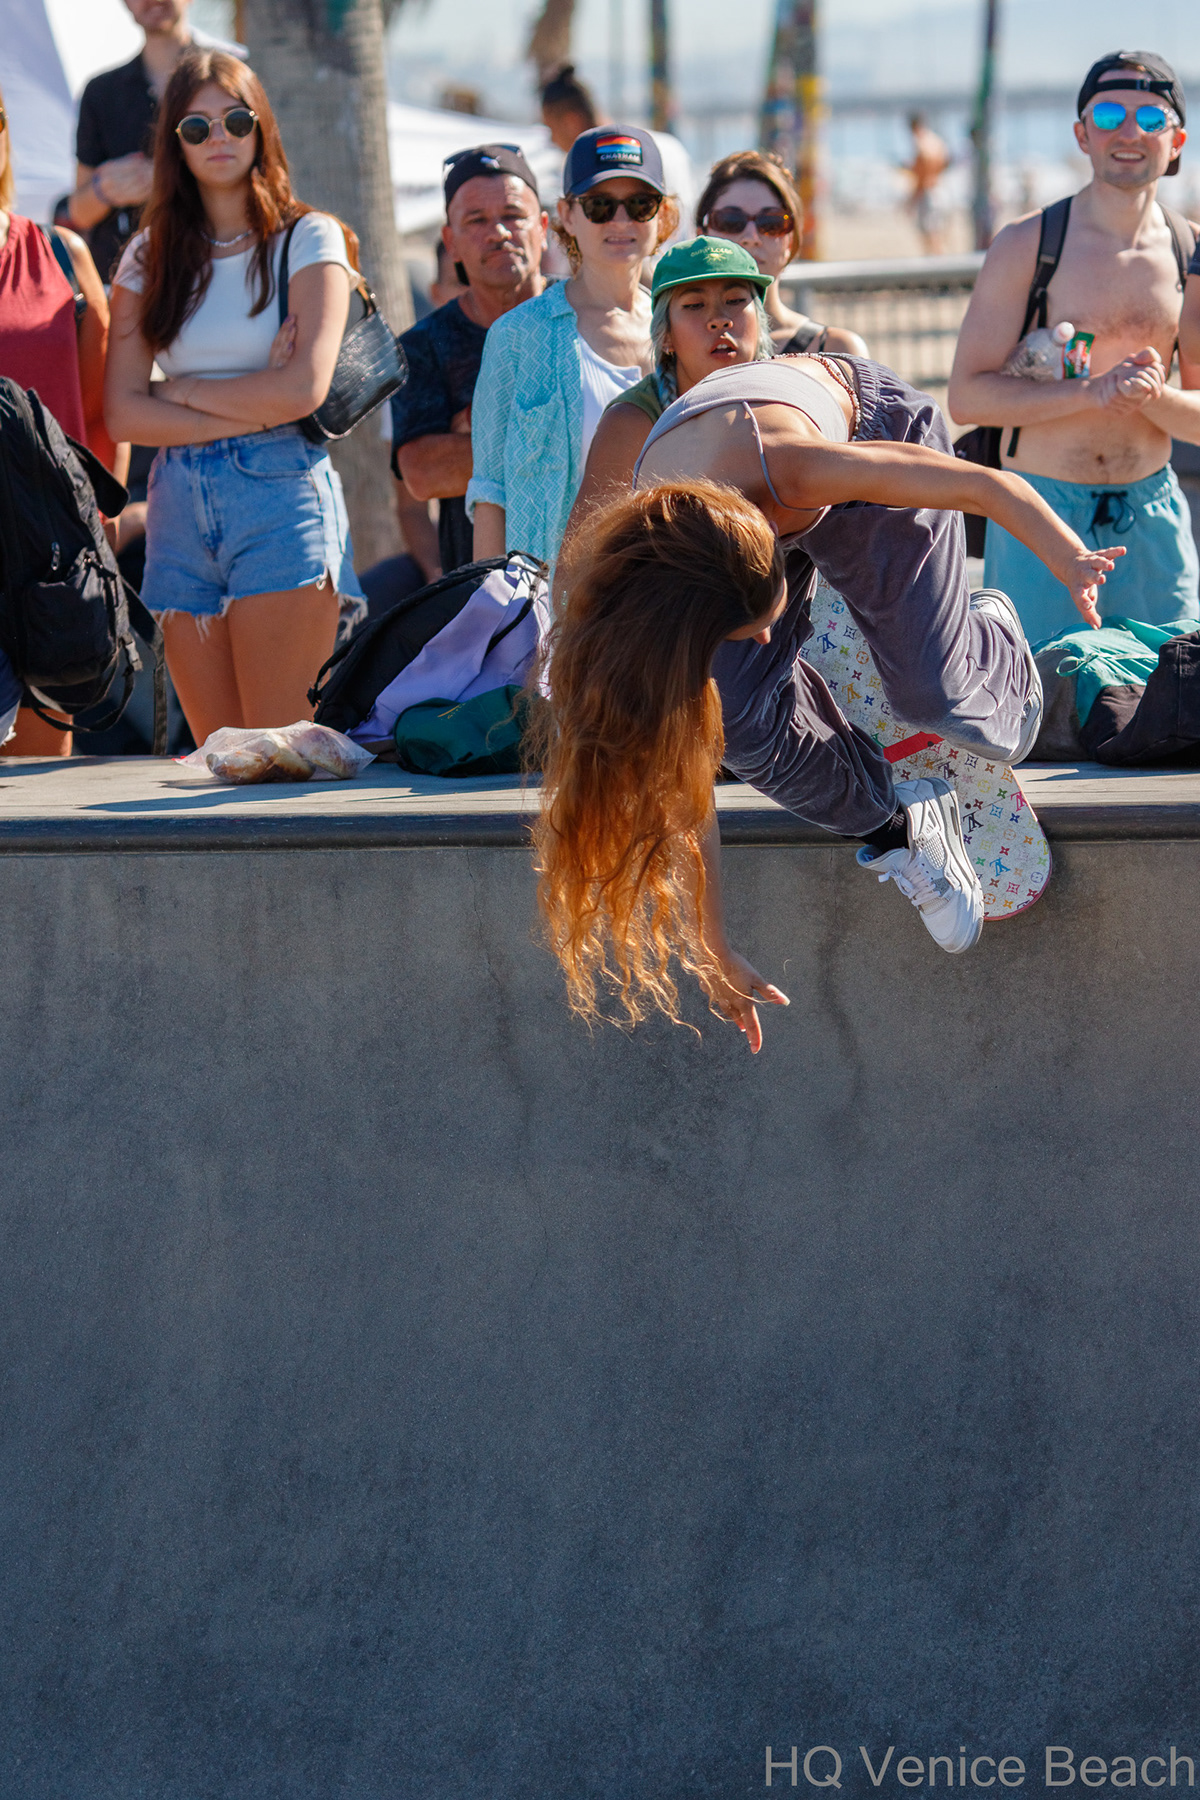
{"type": "Point", "coordinates": [751, 198]}
{"type": "Point", "coordinates": [930, 161]}
{"type": "Point", "coordinates": [493, 239]}
{"type": "Point", "coordinates": [114, 141]}
{"type": "Point", "coordinates": [1097, 446]}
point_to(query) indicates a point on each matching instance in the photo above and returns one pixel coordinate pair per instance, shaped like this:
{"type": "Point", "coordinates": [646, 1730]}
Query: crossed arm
{"type": "Point", "coordinates": [198, 409]}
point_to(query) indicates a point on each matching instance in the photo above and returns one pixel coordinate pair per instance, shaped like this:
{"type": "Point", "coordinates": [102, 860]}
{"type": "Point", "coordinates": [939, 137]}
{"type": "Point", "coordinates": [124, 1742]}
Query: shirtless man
{"type": "Point", "coordinates": [930, 161]}
{"type": "Point", "coordinates": [1097, 448]}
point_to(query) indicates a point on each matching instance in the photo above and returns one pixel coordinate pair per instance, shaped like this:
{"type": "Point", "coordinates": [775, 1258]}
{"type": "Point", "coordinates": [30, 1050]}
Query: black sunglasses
{"type": "Point", "coordinates": [195, 129]}
{"type": "Point", "coordinates": [601, 209]}
{"type": "Point", "coordinates": [731, 221]}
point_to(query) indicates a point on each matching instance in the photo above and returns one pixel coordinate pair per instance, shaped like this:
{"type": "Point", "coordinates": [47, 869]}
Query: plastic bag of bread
{"type": "Point", "coordinates": [300, 752]}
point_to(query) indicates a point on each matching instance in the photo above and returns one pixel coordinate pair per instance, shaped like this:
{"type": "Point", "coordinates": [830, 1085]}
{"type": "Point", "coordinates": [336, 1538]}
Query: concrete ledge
{"type": "Point", "coordinates": [138, 803]}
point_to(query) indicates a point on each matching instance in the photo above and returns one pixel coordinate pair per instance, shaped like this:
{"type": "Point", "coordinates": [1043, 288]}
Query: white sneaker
{"type": "Point", "coordinates": [998, 606]}
{"type": "Point", "coordinates": [935, 872]}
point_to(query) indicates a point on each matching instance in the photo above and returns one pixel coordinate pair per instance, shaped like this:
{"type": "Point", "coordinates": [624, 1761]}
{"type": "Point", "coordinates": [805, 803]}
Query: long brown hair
{"type": "Point", "coordinates": [751, 165]}
{"type": "Point", "coordinates": [177, 255]}
{"type": "Point", "coordinates": [656, 581]}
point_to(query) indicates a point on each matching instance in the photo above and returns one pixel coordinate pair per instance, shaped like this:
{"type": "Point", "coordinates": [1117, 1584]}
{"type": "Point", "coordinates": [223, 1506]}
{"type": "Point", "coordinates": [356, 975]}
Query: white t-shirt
{"type": "Point", "coordinates": [221, 338]}
{"type": "Point", "coordinates": [602, 382]}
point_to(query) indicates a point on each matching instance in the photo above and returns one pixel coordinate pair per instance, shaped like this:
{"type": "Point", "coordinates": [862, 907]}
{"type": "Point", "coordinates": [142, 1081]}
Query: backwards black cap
{"type": "Point", "coordinates": [486, 159]}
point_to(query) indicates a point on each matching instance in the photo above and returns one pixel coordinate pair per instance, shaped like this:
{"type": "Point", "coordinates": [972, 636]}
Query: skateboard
{"type": "Point", "coordinates": [1000, 828]}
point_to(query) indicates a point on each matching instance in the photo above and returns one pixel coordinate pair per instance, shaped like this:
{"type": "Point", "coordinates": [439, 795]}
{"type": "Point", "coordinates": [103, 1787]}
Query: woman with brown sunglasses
{"type": "Point", "coordinates": [552, 365]}
{"type": "Point", "coordinates": [751, 198]}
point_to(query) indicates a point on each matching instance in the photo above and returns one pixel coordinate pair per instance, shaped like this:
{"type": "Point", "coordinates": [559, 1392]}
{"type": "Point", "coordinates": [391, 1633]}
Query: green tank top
{"type": "Point", "coordinates": [644, 395]}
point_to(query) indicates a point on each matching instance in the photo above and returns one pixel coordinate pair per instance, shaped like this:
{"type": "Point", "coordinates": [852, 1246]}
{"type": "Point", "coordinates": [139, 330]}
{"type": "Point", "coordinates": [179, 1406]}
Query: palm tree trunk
{"type": "Point", "coordinates": [550, 38]}
{"type": "Point", "coordinates": [322, 64]}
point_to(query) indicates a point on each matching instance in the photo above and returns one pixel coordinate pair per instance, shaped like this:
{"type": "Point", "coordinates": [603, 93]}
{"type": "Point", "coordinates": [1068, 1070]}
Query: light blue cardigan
{"type": "Point", "coordinates": [527, 422]}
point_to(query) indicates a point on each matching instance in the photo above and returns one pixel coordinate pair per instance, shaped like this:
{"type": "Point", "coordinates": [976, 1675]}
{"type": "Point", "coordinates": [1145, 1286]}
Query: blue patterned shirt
{"type": "Point", "coordinates": [527, 422]}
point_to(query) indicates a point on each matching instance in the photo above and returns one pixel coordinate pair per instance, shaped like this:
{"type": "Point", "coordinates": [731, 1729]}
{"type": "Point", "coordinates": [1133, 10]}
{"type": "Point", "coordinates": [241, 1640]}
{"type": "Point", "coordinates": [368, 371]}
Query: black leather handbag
{"type": "Point", "coordinates": [370, 368]}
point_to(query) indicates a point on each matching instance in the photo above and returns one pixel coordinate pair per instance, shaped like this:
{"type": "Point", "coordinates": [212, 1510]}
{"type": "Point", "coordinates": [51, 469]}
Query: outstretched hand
{"type": "Point", "coordinates": [733, 994]}
{"type": "Point", "coordinates": [1085, 577]}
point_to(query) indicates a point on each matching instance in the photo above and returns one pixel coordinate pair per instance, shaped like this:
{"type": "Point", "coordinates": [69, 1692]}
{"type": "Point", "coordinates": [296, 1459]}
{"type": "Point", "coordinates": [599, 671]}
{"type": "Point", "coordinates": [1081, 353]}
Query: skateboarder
{"type": "Point", "coordinates": [685, 579]}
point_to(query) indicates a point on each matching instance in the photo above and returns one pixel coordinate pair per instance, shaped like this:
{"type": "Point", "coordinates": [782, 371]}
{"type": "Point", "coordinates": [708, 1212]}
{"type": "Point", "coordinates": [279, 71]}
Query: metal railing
{"type": "Point", "coordinates": [909, 309]}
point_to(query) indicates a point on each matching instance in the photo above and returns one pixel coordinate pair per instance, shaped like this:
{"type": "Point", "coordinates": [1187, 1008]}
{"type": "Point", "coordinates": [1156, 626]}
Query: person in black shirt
{"type": "Point", "coordinates": [495, 232]}
{"type": "Point", "coordinates": [115, 135]}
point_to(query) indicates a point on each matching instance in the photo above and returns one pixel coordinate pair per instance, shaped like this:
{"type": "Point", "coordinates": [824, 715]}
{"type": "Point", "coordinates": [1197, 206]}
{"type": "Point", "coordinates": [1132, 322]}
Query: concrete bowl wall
{"type": "Point", "coordinates": [406, 1393]}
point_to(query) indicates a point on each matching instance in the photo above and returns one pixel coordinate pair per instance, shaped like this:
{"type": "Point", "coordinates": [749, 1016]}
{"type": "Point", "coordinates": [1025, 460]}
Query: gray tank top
{"type": "Point", "coordinates": [778, 383]}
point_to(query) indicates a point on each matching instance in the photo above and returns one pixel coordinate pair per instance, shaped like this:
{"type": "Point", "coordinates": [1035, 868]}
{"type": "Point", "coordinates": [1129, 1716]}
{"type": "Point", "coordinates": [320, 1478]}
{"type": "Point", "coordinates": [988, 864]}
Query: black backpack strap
{"type": "Point", "coordinates": [62, 257]}
{"type": "Point", "coordinates": [150, 632]}
{"type": "Point", "coordinates": [1050, 248]}
{"type": "Point", "coordinates": [283, 270]}
{"type": "Point", "coordinates": [1183, 240]}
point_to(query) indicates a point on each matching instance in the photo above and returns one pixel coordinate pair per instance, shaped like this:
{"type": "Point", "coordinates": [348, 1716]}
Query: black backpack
{"type": "Point", "coordinates": [65, 609]}
{"type": "Point", "coordinates": [349, 684]}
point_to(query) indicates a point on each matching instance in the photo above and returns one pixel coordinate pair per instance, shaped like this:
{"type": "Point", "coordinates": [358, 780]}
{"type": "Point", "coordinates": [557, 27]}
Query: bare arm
{"type": "Point", "coordinates": [125, 181]}
{"type": "Point", "coordinates": [438, 466]}
{"type": "Point", "coordinates": [419, 532]}
{"type": "Point", "coordinates": [93, 354]}
{"type": "Point", "coordinates": [618, 442]}
{"type": "Point", "coordinates": [738, 982]}
{"type": "Point", "coordinates": [980, 394]}
{"type": "Point", "coordinates": [490, 526]}
{"type": "Point", "coordinates": [847, 343]}
{"type": "Point", "coordinates": [319, 303]}
{"type": "Point", "coordinates": [130, 412]}
{"type": "Point", "coordinates": [910, 475]}
{"type": "Point", "coordinates": [1177, 410]}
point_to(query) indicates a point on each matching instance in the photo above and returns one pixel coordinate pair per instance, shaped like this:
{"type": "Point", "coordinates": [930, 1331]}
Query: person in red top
{"type": "Point", "coordinates": [44, 346]}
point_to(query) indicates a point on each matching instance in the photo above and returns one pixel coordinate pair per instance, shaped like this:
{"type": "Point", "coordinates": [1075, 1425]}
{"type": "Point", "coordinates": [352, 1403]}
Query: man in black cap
{"type": "Point", "coordinates": [1096, 444]}
{"type": "Point", "coordinates": [495, 234]}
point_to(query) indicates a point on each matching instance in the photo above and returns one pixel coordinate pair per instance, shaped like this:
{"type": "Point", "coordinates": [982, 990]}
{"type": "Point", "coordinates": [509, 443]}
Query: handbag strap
{"type": "Point", "coordinates": [1051, 239]}
{"type": "Point", "coordinates": [283, 270]}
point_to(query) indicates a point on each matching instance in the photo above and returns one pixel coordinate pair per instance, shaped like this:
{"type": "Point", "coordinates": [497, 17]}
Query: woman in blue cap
{"type": "Point", "coordinates": [708, 314]}
{"type": "Point", "coordinates": [552, 365]}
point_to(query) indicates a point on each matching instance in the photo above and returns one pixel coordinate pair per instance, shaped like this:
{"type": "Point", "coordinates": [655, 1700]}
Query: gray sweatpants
{"type": "Point", "coordinates": [902, 573]}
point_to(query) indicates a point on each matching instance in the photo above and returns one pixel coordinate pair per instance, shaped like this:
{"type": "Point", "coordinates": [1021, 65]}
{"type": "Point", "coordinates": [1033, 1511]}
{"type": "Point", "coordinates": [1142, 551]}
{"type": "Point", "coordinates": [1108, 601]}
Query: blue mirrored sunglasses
{"type": "Point", "coordinates": [1110, 115]}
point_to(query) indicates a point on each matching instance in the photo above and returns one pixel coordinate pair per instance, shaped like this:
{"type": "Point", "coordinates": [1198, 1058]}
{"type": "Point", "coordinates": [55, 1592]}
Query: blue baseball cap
{"type": "Point", "coordinates": [607, 150]}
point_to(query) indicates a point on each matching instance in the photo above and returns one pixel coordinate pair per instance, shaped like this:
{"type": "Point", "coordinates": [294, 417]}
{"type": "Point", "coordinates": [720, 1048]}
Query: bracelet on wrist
{"type": "Point", "coordinates": [96, 188]}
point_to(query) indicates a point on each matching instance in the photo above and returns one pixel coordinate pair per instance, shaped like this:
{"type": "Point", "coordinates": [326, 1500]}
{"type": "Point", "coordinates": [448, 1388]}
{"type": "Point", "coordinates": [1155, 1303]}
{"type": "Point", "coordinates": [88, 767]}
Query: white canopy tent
{"type": "Point", "coordinates": [50, 48]}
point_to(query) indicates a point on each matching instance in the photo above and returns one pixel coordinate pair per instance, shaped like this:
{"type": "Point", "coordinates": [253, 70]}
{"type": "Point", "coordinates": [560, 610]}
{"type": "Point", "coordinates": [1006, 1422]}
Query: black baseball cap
{"type": "Point", "coordinates": [607, 150]}
{"type": "Point", "coordinates": [486, 159]}
{"type": "Point", "coordinates": [1148, 73]}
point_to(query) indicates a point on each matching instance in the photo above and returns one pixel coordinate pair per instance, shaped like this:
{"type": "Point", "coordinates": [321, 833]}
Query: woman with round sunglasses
{"type": "Point", "coordinates": [552, 365]}
{"type": "Point", "coordinates": [248, 556]}
{"type": "Point", "coordinates": [751, 198]}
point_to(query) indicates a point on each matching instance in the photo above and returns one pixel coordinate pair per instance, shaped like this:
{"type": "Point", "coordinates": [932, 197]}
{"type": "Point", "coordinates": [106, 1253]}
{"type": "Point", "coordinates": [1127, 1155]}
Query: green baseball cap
{"type": "Point", "coordinates": [706, 259]}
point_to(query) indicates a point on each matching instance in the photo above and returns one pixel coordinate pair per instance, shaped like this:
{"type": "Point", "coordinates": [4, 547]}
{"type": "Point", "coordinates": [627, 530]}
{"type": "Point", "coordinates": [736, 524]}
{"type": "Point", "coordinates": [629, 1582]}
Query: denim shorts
{"type": "Point", "coordinates": [247, 515]}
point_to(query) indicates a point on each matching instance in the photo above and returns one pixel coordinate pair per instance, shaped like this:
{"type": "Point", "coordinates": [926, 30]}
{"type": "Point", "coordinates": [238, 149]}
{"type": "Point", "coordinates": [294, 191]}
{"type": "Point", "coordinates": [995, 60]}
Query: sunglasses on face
{"type": "Point", "coordinates": [1110, 115]}
{"type": "Point", "coordinates": [602, 209]}
{"type": "Point", "coordinates": [195, 129]}
{"type": "Point", "coordinates": [731, 221]}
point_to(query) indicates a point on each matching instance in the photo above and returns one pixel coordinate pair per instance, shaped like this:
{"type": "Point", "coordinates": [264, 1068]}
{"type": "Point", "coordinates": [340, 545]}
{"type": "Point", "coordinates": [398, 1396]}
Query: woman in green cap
{"type": "Point", "coordinates": [708, 314]}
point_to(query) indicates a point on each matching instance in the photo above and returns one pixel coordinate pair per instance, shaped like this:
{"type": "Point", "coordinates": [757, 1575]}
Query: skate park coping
{"type": "Point", "coordinates": [85, 804]}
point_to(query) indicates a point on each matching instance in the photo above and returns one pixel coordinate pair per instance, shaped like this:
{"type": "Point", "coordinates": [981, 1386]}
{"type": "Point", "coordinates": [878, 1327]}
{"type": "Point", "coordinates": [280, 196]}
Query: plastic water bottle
{"type": "Point", "coordinates": [1042, 355]}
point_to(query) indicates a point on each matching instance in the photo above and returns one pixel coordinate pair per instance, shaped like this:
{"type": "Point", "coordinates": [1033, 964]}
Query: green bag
{"type": "Point", "coordinates": [1077, 665]}
{"type": "Point", "coordinates": [480, 736]}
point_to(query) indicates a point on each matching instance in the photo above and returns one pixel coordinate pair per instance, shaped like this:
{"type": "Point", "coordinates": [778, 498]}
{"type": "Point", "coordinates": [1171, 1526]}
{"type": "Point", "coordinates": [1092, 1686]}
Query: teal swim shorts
{"type": "Point", "coordinates": [1156, 580]}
